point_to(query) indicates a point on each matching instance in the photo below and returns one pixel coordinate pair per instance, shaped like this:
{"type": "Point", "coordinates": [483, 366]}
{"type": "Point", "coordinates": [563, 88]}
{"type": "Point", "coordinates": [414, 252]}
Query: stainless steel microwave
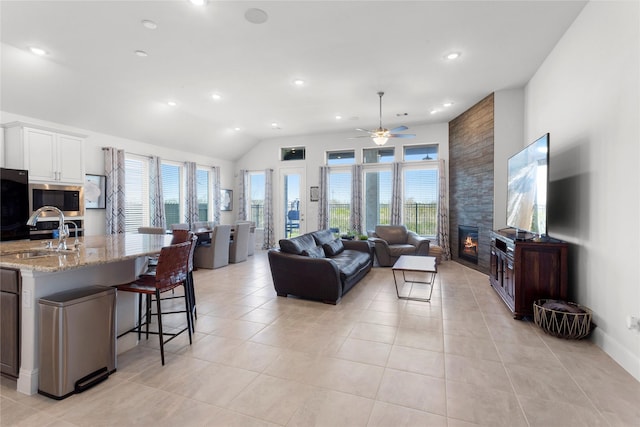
{"type": "Point", "coordinates": [68, 198]}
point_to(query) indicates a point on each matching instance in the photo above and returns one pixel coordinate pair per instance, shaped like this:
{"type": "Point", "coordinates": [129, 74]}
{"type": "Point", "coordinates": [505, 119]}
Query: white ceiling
{"type": "Point", "coordinates": [346, 51]}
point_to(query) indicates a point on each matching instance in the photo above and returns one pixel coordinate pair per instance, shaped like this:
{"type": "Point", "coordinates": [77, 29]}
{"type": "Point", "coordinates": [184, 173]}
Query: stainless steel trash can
{"type": "Point", "coordinates": [77, 340]}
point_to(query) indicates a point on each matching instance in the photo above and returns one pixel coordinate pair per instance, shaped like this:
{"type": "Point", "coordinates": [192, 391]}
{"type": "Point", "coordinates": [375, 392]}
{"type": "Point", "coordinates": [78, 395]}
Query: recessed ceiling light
{"type": "Point", "coordinates": [452, 55]}
{"type": "Point", "coordinates": [298, 82]}
{"type": "Point", "coordinates": [216, 96]}
{"type": "Point", "coordinates": [256, 16]}
{"type": "Point", "coordinates": [433, 111]}
{"type": "Point", "coordinates": [198, 2]}
{"type": "Point", "coordinates": [237, 129]}
{"type": "Point", "coordinates": [149, 24]}
{"type": "Point", "coordinates": [338, 117]}
{"type": "Point", "coordinates": [141, 53]}
{"type": "Point", "coordinates": [447, 104]}
{"type": "Point", "coordinates": [38, 51]}
{"type": "Point", "coordinates": [172, 103]}
{"type": "Point", "coordinates": [274, 125]}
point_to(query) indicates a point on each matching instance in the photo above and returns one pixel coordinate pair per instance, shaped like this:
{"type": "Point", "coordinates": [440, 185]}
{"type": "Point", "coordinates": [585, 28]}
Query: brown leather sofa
{"type": "Point", "coordinates": [391, 241]}
{"type": "Point", "coordinates": [317, 266]}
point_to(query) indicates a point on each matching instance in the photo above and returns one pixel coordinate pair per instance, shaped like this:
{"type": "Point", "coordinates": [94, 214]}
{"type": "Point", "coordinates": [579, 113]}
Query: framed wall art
{"type": "Point", "coordinates": [226, 200]}
{"type": "Point", "coordinates": [95, 187]}
{"type": "Point", "coordinates": [314, 194]}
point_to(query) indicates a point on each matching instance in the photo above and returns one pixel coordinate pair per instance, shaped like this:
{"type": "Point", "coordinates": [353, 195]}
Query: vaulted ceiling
{"type": "Point", "coordinates": [92, 76]}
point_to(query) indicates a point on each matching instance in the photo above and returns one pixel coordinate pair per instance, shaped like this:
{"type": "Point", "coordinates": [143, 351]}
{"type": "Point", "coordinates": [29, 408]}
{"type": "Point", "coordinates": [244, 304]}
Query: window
{"type": "Point", "coordinates": [202, 191]}
{"type": "Point", "coordinates": [378, 155]}
{"type": "Point", "coordinates": [293, 153]}
{"type": "Point", "coordinates": [421, 199]}
{"type": "Point", "coordinates": [377, 197]}
{"type": "Point", "coordinates": [339, 200]}
{"type": "Point", "coordinates": [414, 153]}
{"type": "Point", "coordinates": [347, 157]}
{"type": "Point", "coordinates": [172, 192]}
{"type": "Point", "coordinates": [256, 198]}
{"type": "Point", "coordinates": [136, 192]}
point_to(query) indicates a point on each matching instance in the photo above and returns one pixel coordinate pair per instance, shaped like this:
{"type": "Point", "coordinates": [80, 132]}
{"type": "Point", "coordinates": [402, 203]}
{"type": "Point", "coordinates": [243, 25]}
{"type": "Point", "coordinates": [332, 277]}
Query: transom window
{"type": "Point", "coordinates": [378, 155]}
{"type": "Point", "coordinates": [346, 157]}
{"type": "Point", "coordinates": [416, 153]}
{"type": "Point", "coordinates": [292, 153]}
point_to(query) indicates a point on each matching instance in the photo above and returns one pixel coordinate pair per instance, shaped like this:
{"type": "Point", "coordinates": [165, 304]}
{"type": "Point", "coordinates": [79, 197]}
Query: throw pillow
{"type": "Point", "coordinates": [314, 252]}
{"type": "Point", "coordinates": [333, 248]}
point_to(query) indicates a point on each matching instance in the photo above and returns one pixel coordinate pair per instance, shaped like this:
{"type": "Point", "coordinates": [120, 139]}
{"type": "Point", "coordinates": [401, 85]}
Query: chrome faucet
{"type": "Point", "coordinates": [75, 229]}
{"type": "Point", "coordinates": [63, 230]}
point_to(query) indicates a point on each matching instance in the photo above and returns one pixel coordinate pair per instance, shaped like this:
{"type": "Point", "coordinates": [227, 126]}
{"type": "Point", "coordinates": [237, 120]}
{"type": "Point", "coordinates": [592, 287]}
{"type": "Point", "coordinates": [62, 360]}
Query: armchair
{"type": "Point", "coordinates": [214, 254]}
{"type": "Point", "coordinates": [391, 241]}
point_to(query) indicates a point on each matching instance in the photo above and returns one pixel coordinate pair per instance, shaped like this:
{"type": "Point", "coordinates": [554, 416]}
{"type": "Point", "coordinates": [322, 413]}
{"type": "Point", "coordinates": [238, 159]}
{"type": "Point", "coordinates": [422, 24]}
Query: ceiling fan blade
{"type": "Point", "coordinates": [402, 135]}
{"type": "Point", "coordinates": [398, 129]}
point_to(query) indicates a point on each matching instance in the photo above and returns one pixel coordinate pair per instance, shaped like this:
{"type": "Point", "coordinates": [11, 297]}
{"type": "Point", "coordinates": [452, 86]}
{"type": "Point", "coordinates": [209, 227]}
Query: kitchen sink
{"type": "Point", "coordinates": [31, 254]}
{"type": "Point", "coordinates": [38, 253]}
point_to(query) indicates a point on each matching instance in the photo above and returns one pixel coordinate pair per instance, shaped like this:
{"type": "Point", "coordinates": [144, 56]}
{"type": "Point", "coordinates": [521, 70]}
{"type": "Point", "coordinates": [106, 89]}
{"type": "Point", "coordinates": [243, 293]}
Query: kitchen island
{"type": "Point", "coordinates": [98, 260]}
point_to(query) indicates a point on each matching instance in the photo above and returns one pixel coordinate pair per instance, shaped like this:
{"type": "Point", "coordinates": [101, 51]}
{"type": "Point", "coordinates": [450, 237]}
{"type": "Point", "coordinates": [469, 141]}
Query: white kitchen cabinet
{"type": "Point", "coordinates": [50, 156]}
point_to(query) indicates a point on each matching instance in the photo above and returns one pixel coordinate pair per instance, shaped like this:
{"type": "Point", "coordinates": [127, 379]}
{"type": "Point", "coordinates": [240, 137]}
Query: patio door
{"type": "Point", "coordinates": [292, 202]}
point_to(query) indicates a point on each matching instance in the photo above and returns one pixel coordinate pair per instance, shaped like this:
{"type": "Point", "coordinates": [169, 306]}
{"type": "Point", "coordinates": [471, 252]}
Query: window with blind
{"type": "Point", "coordinates": [256, 198]}
{"type": "Point", "coordinates": [172, 192]}
{"type": "Point", "coordinates": [136, 192]}
{"type": "Point", "coordinates": [202, 192]}
{"type": "Point", "coordinates": [420, 206]}
{"type": "Point", "coordinates": [377, 197]}
{"type": "Point", "coordinates": [339, 200]}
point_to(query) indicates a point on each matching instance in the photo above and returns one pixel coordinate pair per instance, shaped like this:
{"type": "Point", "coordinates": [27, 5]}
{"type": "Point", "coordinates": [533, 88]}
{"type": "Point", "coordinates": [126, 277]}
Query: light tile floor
{"type": "Point", "coordinates": [371, 360]}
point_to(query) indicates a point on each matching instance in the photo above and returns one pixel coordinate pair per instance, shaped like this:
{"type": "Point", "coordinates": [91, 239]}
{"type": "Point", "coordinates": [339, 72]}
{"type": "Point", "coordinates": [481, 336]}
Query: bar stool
{"type": "Point", "coordinates": [171, 272]}
{"type": "Point", "coordinates": [181, 236]}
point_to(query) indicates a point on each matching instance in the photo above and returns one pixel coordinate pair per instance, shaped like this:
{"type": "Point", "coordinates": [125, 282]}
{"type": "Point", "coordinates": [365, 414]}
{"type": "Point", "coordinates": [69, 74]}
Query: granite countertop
{"type": "Point", "coordinates": [93, 250]}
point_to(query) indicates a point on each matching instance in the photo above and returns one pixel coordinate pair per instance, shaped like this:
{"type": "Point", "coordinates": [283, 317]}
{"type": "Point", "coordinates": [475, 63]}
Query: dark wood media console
{"type": "Point", "coordinates": [523, 271]}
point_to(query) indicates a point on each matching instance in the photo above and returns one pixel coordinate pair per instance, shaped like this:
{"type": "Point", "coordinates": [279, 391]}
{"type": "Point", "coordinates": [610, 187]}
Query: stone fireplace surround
{"type": "Point", "coordinates": [471, 182]}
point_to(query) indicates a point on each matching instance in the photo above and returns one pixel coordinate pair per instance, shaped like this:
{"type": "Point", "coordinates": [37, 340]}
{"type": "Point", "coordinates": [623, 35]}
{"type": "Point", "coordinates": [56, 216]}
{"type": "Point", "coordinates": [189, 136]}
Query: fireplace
{"type": "Point", "coordinates": [468, 243]}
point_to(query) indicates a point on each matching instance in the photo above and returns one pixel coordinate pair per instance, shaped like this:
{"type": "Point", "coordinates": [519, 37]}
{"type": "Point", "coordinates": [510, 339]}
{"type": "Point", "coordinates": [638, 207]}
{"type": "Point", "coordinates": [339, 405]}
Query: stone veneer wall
{"type": "Point", "coordinates": [471, 178]}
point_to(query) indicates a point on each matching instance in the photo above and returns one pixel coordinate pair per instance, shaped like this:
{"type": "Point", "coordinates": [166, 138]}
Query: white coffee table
{"type": "Point", "coordinates": [419, 265]}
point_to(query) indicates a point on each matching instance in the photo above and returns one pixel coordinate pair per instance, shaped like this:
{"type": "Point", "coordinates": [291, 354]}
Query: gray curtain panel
{"type": "Point", "coordinates": [396, 194]}
{"type": "Point", "coordinates": [356, 199]}
{"type": "Point", "coordinates": [115, 197]}
{"type": "Point", "coordinates": [269, 235]}
{"type": "Point", "coordinates": [323, 200]}
{"type": "Point", "coordinates": [191, 196]}
{"type": "Point", "coordinates": [216, 194]}
{"type": "Point", "coordinates": [156, 199]}
{"type": "Point", "coordinates": [242, 196]}
{"type": "Point", "coordinates": [443, 213]}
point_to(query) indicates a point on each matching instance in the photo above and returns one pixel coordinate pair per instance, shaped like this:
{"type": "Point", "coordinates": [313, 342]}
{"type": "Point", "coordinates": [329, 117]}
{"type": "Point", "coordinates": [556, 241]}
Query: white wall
{"type": "Point", "coordinates": [508, 139]}
{"type": "Point", "coordinates": [586, 94]}
{"type": "Point", "coordinates": [94, 219]}
{"type": "Point", "coordinates": [266, 155]}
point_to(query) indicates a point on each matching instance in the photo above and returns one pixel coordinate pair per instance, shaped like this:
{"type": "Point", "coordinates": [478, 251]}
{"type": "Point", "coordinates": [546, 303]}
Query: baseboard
{"type": "Point", "coordinates": [629, 361]}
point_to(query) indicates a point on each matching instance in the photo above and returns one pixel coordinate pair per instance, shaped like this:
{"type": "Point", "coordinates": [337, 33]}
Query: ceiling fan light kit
{"type": "Point", "coordinates": [381, 135]}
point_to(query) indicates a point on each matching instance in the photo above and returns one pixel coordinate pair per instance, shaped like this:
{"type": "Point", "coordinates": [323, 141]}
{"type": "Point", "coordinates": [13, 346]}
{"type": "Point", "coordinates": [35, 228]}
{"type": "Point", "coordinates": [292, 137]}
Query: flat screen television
{"type": "Point", "coordinates": [527, 179]}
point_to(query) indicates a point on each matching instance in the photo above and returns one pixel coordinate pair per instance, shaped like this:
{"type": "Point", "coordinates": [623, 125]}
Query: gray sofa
{"type": "Point", "coordinates": [317, 266]}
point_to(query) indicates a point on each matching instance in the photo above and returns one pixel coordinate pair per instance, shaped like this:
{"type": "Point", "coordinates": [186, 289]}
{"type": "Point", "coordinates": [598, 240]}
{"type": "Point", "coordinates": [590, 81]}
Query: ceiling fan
{"type": "Point", "coordinates": [381, 135]}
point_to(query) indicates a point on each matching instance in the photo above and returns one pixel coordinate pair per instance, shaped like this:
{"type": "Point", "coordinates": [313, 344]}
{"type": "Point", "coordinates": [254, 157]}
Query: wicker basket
{"type": "Point", "coordinates": [572, 324]}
